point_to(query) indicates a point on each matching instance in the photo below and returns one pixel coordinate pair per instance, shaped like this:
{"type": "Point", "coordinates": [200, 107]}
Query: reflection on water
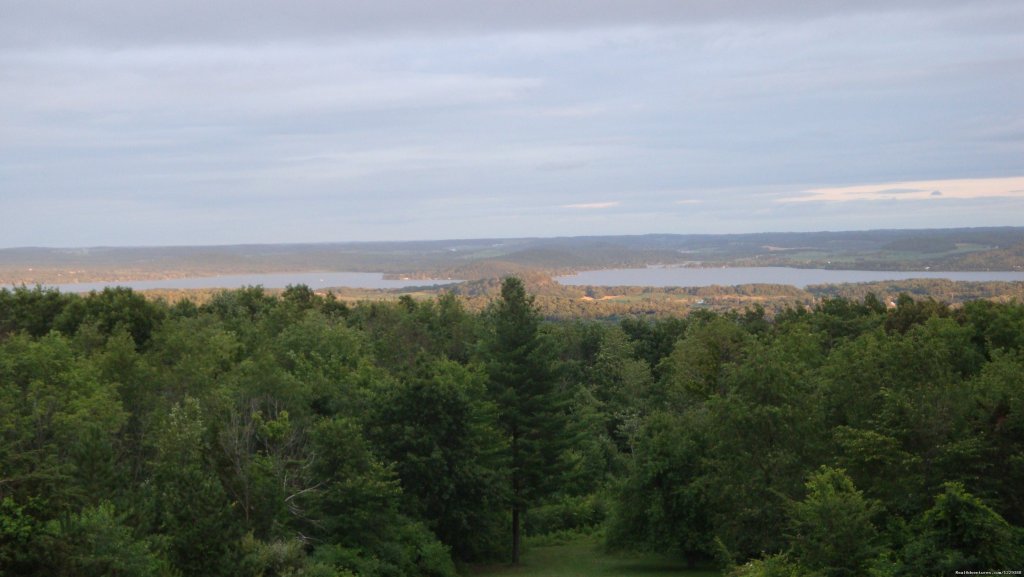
{"type": "Point", "coordinates": [799, 277]}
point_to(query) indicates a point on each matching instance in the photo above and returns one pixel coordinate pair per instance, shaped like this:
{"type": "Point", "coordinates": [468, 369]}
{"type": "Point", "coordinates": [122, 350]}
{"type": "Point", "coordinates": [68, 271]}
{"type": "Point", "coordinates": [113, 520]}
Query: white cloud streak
{"type": "Point", "coordinates": [961, 188]}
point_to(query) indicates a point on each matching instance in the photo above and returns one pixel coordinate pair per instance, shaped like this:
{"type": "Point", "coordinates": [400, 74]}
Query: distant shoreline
{"type": "Point", "coordinates": [951, 250]}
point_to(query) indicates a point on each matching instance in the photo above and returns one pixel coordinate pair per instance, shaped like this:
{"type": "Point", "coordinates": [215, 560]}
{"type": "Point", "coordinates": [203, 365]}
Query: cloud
{"type": "Point", "coordinates": [562, 165]}
{"type": "Point", "coordinates": [964, 188]}
{"type": "Point", "coordinates": [900, 191]}
{"type": "Point", "coordinates": [129, 22]}
{"type": "Point", "coordinates": [592, 205]}
{"type": "Point", "coordinates": [226, 83]}
{"type": "Point", "coordinates": [246, 119]}
{"type": "Point", "coordinates": [573, 111]}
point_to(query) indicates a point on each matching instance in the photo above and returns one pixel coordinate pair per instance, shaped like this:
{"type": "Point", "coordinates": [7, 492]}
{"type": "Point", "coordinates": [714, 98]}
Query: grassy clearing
{"type": "Point", "coordinates": [585, 558]}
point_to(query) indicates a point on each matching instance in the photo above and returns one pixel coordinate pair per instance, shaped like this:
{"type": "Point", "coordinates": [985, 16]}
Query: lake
{"type": "Point", "coordinates": [652, 276]}
{"type": "Point", "coordinates": [798, 277]}
{"type": "Point", "coordinates": [314, 280]}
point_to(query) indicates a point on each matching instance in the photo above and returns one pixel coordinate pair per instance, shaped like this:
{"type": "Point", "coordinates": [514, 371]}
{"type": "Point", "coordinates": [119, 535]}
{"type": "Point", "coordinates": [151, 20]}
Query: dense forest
{"type": "Point", "coordinates": [290, 434]}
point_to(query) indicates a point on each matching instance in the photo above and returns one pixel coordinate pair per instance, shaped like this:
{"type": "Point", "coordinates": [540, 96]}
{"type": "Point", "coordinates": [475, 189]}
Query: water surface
{"type": "Point", "coordinates": [798, 277]}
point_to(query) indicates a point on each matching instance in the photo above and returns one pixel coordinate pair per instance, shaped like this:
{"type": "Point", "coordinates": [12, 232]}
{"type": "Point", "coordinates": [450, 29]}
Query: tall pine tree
{"type": "Point", "coordinates": [521, 368]}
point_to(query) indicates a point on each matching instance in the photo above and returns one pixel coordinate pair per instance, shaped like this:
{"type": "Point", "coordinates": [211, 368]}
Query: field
{"type": "Point", "coordinates": [585, 558]}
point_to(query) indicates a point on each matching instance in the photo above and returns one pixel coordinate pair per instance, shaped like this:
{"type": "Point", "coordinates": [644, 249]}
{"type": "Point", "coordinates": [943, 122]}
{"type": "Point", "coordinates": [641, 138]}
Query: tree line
{"type": "Point", "coordinates": [294, 434]}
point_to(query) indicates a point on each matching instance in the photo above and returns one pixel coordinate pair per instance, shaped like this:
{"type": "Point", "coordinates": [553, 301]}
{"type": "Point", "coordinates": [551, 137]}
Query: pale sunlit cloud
{"type": "Point", "coordinates": [962, 188]}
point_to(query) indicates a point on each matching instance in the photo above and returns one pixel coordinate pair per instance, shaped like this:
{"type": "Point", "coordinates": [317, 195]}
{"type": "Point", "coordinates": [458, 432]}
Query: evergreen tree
{"type": "Point", "coordinates": [531, 411]}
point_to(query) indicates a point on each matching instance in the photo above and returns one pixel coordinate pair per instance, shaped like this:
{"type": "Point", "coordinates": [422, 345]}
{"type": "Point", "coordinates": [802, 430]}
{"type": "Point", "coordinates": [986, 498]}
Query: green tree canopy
{"type": "Point", "coordinates": [531, 410]}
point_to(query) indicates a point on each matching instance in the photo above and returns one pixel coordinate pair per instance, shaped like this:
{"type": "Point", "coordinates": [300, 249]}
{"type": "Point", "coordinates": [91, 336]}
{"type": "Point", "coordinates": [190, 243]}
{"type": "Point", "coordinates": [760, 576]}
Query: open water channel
{"type": "Point", "coordinates": [651, 276]}
{"type": "Point", "coordinates": [799, 277]}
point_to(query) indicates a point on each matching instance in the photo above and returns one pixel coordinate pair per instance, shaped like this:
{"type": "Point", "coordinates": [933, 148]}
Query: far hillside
{"type": "Point", "coordinates": [965, 249]}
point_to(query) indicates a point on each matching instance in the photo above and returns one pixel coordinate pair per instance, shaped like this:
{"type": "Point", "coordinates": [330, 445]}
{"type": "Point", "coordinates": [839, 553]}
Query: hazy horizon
{"type": "Point", "coordinates": [184, 123]}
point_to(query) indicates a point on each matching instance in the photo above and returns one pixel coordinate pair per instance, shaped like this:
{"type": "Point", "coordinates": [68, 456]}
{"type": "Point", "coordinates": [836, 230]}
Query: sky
{"type": "Point", "coordinates": [185, 122]}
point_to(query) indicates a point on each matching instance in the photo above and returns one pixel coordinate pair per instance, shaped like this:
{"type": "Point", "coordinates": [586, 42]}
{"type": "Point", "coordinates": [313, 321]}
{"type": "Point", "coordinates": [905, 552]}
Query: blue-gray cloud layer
{"type": "Point", "coordinates": [193, 122]}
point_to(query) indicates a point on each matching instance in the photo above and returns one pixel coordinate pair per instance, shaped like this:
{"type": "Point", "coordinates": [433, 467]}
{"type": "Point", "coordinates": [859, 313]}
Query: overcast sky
{"type": "Point", "coordinates": [162, 122]}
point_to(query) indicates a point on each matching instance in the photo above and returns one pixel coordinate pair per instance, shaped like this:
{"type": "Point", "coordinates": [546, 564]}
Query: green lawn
{"type": "Point", "coordinates": [586, 559]}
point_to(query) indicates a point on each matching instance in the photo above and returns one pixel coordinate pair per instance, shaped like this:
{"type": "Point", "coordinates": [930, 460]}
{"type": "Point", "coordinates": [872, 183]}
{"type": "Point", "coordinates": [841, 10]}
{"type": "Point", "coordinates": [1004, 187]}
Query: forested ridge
{"type": "Point", "coordinates": [951, 249]}
{"type": "Point", "coordinates": [295, 434]}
